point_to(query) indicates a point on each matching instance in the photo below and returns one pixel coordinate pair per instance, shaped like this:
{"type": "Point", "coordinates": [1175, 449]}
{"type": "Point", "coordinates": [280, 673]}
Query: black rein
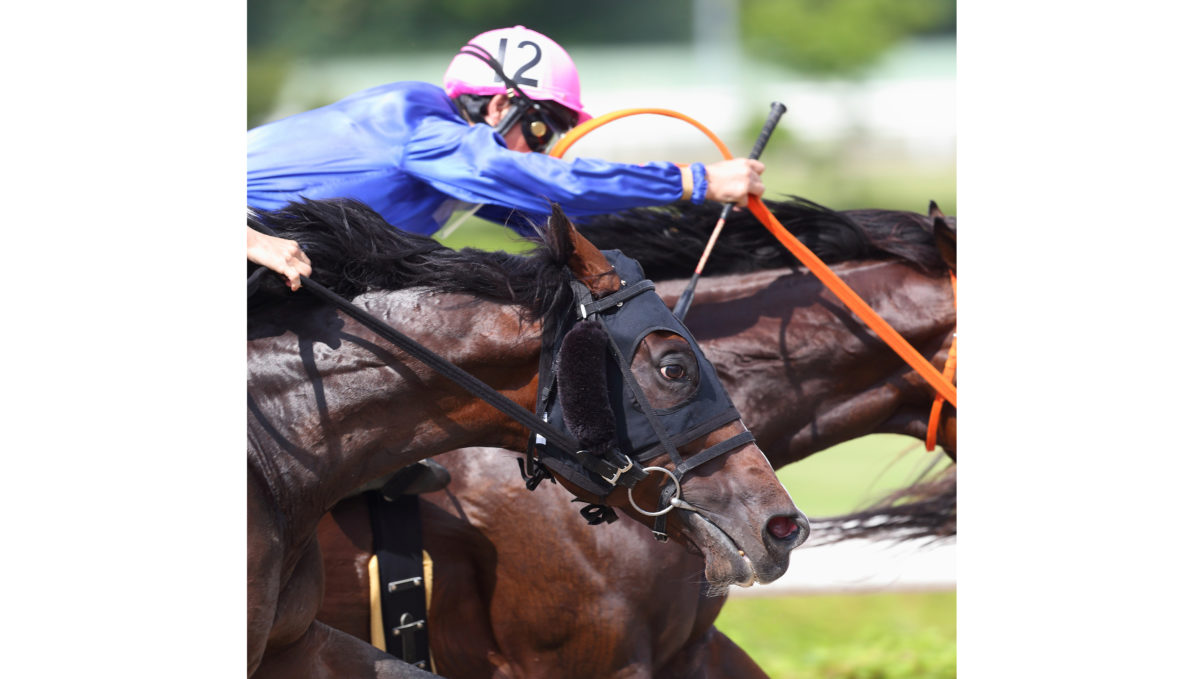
{"type": "Point", "coordinates": [467, 381]}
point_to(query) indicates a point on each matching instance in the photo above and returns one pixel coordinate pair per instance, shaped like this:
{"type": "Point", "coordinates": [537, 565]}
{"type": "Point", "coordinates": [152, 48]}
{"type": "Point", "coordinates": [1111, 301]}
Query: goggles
{"type": "Point", "coordinates": [542, 123]}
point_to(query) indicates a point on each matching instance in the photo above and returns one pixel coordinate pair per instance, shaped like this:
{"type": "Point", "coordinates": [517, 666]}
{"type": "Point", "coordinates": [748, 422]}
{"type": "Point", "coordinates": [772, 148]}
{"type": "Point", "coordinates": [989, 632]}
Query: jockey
{"type": "Point", "coordinates": [416, 153]}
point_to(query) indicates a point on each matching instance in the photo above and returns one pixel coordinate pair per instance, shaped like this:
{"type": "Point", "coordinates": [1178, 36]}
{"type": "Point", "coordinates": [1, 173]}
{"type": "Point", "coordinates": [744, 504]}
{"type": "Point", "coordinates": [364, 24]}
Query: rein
{"type": "Point", "coordinates": [944, 388]}
{"type": "Point", "coordinates": [612, 471]}
{"type": "Point", "coordinates": [935, 413]}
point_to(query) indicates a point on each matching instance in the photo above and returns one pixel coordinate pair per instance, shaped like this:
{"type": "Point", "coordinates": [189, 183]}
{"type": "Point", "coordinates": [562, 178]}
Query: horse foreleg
{"type": "Point", "coordinates": [326, 653]}
{"type": "Point", "coordinates": [264, 563]}
{"type": "Point", "coordinates": [713, 656]}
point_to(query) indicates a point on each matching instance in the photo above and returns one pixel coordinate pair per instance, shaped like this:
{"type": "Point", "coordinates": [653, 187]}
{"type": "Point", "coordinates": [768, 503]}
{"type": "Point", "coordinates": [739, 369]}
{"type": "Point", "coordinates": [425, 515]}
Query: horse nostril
{"type": "Point", "coordinates": [782, 527]}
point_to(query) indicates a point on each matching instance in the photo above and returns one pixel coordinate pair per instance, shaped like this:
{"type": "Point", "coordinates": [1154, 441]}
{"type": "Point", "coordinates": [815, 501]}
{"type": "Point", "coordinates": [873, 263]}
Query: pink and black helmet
{"type": "Point", "coordinates": [540, 67]}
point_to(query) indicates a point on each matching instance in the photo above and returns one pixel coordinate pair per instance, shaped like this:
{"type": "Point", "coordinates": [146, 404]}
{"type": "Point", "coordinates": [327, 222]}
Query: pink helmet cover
{"type": "Point", "coordinates": [539, 66]}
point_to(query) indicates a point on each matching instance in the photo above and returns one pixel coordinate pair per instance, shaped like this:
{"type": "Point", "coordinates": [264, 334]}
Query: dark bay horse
{"type": "Point", "coordinates": [610, 602]}
{"type": "Point", "coordinates": [332, 405]}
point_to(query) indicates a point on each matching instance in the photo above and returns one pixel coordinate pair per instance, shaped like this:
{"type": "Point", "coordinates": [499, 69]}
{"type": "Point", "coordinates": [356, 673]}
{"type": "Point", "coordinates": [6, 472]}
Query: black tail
{"type": "Point", "coordinates": [925, 510]}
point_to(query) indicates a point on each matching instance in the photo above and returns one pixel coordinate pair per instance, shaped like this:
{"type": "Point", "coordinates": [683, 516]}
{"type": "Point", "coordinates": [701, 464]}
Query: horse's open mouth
{"type": "Point", "coordinates": [725, 563]}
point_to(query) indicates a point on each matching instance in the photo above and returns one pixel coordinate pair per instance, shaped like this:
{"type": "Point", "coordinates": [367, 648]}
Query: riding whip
{"type": "Point", "coordinates": [685, 300]}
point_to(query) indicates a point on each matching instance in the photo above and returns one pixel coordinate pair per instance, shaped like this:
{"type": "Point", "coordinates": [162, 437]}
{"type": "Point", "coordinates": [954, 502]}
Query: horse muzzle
{"type": "Point", "coordinates": [745, 559]}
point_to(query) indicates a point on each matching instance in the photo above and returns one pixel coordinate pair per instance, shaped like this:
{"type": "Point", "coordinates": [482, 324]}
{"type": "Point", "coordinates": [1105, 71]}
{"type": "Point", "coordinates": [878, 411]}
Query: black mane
{"type": "Point", "coordinates": [668, 241]}
{"type": "Point", "coordinates": [354, 250]}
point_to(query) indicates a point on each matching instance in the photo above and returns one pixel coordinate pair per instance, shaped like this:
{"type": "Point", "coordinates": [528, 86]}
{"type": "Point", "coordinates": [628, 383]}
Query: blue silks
{"type": "Point", "coordinates": [404, 150]}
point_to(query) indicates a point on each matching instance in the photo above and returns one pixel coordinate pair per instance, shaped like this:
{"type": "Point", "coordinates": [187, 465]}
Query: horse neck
{"type": "Point", "coordinates": [804, 372]}
{"type": "Point", "coordinates": [333, 406]}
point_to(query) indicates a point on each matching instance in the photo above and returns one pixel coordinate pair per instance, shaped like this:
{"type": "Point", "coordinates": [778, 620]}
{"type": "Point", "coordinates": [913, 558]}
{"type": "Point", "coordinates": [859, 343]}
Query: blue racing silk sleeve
{"type": "Point", "coordinates": [404, 150]}
{"type": "Point", "coordinates": [476, 167]}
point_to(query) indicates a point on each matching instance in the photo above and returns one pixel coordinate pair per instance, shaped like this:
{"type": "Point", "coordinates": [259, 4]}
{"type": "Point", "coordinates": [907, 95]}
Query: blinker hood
{"type": "Point", "coordinates": [637, 429]}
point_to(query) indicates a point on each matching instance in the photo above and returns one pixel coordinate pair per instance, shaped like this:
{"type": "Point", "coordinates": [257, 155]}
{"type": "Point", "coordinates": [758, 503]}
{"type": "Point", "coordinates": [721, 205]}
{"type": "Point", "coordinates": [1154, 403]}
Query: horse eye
{"type": "Point", "coordinates": [672, 372]}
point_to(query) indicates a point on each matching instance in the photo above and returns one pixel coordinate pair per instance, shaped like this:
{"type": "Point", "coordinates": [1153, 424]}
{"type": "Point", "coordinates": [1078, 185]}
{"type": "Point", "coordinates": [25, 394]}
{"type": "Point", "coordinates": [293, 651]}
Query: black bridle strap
{"type": "Point", "coordinates": [615, 299]}
{"type": "Point", "coordinates": [679, 440]}
{"type": "Point", "coordinates": [712, 452]}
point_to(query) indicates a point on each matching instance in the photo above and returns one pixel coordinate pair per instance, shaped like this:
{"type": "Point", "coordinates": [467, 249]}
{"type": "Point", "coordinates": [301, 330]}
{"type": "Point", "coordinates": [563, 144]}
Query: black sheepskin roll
{"type": "Point", "coordinates": [583, 387]}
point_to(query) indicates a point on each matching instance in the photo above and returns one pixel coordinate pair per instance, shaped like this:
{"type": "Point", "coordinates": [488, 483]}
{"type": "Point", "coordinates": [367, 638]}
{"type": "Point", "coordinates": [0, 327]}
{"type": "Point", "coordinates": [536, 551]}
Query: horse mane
{"type": "Point", "coordinates": [354, 250]}
{"type": "Point", "coordinates": [924, 510]}
{"type": "Point", "coordinates": [668, 241]}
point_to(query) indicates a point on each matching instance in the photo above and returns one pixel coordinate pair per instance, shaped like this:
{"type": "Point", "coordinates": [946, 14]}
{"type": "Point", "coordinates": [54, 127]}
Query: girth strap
{"type": "Point", "coordinates": [396, 526]}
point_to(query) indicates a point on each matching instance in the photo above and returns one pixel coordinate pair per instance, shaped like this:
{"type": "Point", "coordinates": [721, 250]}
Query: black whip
{"type": "Point", "coordinates": [685, 300]}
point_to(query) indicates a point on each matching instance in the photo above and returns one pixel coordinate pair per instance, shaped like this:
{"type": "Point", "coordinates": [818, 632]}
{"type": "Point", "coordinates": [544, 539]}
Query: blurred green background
{"type": "Point", "coordinates": [870, 91]}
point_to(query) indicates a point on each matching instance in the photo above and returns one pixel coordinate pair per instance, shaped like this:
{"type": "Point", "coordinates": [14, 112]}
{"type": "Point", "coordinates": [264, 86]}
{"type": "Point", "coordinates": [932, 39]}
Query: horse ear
{"type": "Point", "coordinates": [935, 211]}
{"type": "Point", "coordinates": [586, 261]}
{"type": "Point", "coordinates": [946, 239]}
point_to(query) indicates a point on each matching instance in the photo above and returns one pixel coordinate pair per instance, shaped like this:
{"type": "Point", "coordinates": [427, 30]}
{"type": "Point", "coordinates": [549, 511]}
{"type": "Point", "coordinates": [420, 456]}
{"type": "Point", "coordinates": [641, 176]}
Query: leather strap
{"type": "Point", "coordinates": [396, 526]}
{"type": "Point", "coordinates": [616, 299]}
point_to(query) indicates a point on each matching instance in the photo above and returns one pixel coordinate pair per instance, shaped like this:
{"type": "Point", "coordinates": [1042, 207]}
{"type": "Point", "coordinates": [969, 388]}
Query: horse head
{"type": "Point", "coordinates": [634, 388]}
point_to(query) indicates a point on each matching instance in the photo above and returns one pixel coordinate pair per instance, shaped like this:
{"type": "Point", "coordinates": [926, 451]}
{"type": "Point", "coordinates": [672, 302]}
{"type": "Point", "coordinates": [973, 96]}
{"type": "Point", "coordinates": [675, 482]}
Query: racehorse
{"type": "Point", "coordinates": [332, 405]}
{"type": "Point", "coordinates": [804, 373]}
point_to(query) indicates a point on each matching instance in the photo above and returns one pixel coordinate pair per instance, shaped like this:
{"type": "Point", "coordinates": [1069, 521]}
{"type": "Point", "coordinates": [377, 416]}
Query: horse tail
{"type": "Point", "coordinates": [927, 509]}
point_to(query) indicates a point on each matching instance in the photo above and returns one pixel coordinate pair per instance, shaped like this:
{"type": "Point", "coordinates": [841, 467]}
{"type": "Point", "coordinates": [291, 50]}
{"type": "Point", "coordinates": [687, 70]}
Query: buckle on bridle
{"type": "Point", "coordinates": [617, 474]}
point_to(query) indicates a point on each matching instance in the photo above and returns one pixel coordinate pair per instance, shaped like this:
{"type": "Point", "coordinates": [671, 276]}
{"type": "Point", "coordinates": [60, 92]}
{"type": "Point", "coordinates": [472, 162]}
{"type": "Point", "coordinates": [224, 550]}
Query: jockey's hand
{"type": "Point", "coordinates": [734, 181]}
{"type": "Point", "coordinates": [280, 255]}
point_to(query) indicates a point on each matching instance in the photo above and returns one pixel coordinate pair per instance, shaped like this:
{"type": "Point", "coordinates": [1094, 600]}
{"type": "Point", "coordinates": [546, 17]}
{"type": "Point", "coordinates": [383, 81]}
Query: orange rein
{"type": "Point", "coordinates": [951, 365]}
{"type": "Point", "coordinates": [946, 391]}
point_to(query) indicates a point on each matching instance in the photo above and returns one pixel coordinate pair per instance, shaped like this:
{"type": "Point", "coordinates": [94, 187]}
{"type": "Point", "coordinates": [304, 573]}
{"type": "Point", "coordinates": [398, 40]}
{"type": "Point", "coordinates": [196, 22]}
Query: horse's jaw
{"type": "Point", "coordinates": [727, 563]}
{"type": "Point", "coordinates": [724, 563]}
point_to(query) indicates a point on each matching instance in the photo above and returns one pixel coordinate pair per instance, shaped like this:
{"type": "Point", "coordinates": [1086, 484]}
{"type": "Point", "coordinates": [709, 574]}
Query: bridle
{"type": "Point", "coordinates": [627, 316]}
